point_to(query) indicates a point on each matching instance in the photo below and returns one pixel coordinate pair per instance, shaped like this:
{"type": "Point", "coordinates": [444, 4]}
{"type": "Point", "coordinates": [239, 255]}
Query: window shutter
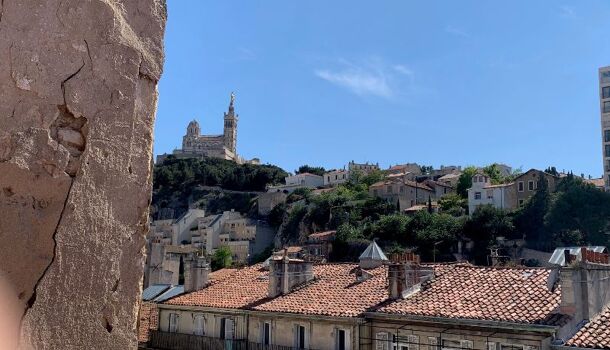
{"type": "Point", "coordinates": [432, 343]}
{"type": "Point", "coordinates": [198, 325]}
{"type": "Point", "coordinates": [381, 341]}
{"type": "Point", "coordinates": [229, 329]}
{"type": "Point", "coordinates": [348, 340]}
{"type": "Point", "coordinates": [173, 323]}
{"type": "Point", "coordinates": [295, 332]}
{"type": "Point", "coordinates": [413, 342]}
{"type": "Point", "coordinates": [466, 344]}
{"type": "Point", "coordinates": [306, 337]}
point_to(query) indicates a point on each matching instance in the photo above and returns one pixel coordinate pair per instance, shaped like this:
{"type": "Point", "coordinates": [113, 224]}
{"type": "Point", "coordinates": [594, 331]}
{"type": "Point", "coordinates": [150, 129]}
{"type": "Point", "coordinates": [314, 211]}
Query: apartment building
{"type": "Point", "coordinates": [396, 303]}
{"type": "Point", "coordinates": [604, 95]}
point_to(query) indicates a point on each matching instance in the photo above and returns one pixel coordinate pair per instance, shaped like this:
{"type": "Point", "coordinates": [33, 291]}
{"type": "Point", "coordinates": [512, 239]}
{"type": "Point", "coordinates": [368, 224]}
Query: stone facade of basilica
{"type": "Point", "coordinates": [195, 145]}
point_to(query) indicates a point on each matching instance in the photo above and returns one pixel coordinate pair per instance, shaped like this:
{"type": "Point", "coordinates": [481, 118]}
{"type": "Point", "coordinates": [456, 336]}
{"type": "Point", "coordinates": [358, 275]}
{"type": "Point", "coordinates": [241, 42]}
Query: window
{"type": "Point", "coordinates": [227, 328]}
{"type": "Point", "coordinates": [342, 339]}
{"type": "Point", "coordinates": [477, 195]}
{"type": "Point", "coordinates": [606, 92]}
{"type": "Point", "coordinates": [173, 323]}
{"type": "Point", "coordinates": [530, 185]}
{"type": "Point", "coordinates": [198, 324]}
{"type": "Point", "coordinates": [491, 346]}
{"type": "Point", "coordinates": [300, 339]}
{"type": "Point", "coordinates": [432, 343]}
{"type": "Point", "coordinates": [521, 201]}
{"type": "Point", "coordinates": [517, 347]}
{"type": "Point", "coordinates": [490, 194]}
{"type": "Point", "coordinates": [520, 186]}
{"type": "Point", "coordinates": [605, 77]}
{"type": "Point", "coordinates": [449, 344]}
{"type": "Point", "coordinates": [607, 151]}
{"type": "Point", "coordinates": [606, 108]}
{"type": "Point", "coordinates": [375, 193]}
{"type": "Point", "coordinates": [266, 333]}
{"type": "Point", "coordinates": [382, 341]}
{"type": "Point", "coordinates": [413, 342]}
{"type": "Point", "coordinates": [607, 135]}
{"type": "Point", "coordinates": [389, 189]}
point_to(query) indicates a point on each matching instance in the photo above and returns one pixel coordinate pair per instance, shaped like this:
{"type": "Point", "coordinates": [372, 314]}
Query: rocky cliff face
{"type": "Point", "coordinates": [78, 95]}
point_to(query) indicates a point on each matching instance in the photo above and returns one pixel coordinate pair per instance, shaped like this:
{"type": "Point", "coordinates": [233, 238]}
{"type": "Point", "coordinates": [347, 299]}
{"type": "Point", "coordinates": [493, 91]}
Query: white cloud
{"type": "Point", "coordinates": [245, 54]}
{"type": "Point", "coordinates": [456, 31]}
{"type": "Point", "coordinates": [567, 11]}
{"type": "Point", "coordinates": [403, 70]}
{"type": "Point", "coordinates": [372, 77]}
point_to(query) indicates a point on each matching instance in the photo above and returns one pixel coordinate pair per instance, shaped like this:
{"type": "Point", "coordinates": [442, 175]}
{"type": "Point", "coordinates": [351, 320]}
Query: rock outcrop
{"type": "Point", "coordinates": [78, 93]}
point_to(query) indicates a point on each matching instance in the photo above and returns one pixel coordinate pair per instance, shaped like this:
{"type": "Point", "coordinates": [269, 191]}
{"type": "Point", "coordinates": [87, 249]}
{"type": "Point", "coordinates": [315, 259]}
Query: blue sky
{"type": "Point", "coordinates": [434, 82]}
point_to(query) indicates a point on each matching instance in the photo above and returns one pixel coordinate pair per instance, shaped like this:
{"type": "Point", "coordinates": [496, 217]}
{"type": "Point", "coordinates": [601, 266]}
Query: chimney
{"type": "Point", "coordinates": [286, 273]}
{"type": "Point", "coordinates": [585, 282]}
{"type": "Point", "coordinates": [405, 275]}
{"type": "Point", "coordinates": [196, 271]}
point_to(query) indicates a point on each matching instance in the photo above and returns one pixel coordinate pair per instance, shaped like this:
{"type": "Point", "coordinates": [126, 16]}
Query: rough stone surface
{"type": "Point", "coordinates": [78, 94]}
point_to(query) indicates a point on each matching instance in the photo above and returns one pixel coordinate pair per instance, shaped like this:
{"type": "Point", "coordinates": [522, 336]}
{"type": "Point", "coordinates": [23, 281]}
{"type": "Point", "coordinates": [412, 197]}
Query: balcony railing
{"type": "Point", "coordinates": [178, 341]}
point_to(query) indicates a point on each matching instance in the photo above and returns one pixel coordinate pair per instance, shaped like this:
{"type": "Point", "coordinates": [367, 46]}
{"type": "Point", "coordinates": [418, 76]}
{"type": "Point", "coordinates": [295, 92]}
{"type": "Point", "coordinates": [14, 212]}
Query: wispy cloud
{"type": "Point", "coordinates": [456, 31]}
{"type": "Point", "coordinates": [403, 70]}
{"type": "Point", "coordinates": [358, 81]}
{"type": "Point", "coordinates": [567, 11]}
{"type": "Point", "coordinates": [245, 54]}
{"type": "Point", "coordinates": [372, 77]}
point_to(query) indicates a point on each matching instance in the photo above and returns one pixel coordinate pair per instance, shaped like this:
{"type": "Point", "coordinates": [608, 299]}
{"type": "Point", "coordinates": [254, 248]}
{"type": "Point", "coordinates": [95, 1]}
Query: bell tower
{"type": "Point", "coordinates": [230, 128]}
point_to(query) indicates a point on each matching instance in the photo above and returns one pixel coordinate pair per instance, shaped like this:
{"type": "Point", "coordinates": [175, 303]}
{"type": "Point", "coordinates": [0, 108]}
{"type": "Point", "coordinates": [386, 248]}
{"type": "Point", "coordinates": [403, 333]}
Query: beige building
{"type": "Point", "coordinates": [405, 193]}
{"type": "Point", "coordinates": [507, 196]}
{"type": "Point", "coordinates": [196, 145]}
{"type": "Point", "coordinates": [336, 177]}
{"type": "Point", "coordinates": [604, 98]}
{"type": "Point", "coordinates": [169, 240]}
{"type": "Point", "coordinates": [364, 168]}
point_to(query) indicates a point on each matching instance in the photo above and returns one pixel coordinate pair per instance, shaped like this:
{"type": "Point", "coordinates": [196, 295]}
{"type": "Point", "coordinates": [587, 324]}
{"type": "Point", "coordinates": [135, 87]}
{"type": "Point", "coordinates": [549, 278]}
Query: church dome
{"type": "Point", "coordinates": [193, 128]}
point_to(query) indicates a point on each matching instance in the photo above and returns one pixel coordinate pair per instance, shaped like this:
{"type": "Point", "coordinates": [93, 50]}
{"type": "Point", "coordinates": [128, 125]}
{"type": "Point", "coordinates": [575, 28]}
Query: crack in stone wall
{"type": "Point", "coordinates": [76, 121]}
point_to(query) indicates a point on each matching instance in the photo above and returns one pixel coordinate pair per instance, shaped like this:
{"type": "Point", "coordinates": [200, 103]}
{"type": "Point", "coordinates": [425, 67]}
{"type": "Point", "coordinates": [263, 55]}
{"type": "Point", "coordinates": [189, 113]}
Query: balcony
{"type": "Point", "coordinates": [174, 341]}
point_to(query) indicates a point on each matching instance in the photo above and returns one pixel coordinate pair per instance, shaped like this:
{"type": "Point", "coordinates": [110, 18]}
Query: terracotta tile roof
{"type": "Point", "coordinates": [322, 235]}
{"type": "Point", "coordinates": [496, 294]}
{"type": "Point", "coordinates": [595, 334]}
{"type": "Point", "coordinates": [244, 287]}
{"type": "Point", "coordinates": [596, 182]}
{"type": "Point", "coordinates": [334, 292]}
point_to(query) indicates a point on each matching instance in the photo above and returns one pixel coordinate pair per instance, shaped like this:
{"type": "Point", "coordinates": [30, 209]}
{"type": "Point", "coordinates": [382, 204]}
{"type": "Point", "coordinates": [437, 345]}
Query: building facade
{"type": "Point", "coordinates": [404, 193]}
{"type": "Point", "coordinates": [604, 95]}
{"type": "Point", "coordinates": [395, 304]}
{"type": "Point", "coordinates": [507, 196]}
{"type": "Point", "coordinates": [302, 180]}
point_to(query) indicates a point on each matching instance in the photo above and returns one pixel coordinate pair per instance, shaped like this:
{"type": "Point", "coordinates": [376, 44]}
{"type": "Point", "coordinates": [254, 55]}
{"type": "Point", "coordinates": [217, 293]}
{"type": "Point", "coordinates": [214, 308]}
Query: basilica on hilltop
{"type": "Point", "coordinates": [195, 145]}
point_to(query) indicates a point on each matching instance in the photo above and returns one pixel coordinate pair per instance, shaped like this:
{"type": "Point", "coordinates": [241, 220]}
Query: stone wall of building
{"type": "Point", "coordinates": [78, 94]}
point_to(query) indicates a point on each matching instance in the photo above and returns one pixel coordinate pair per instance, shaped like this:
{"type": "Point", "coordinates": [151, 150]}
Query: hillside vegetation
{"type": "Point", "coordinates": [214, 184]}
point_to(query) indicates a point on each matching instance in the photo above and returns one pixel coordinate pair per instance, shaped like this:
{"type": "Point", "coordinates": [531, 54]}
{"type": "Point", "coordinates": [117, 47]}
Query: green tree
{"type": "Point", "coordinates": [494, 173]}
{"type": "Point", "coordinates": [529, 220]}
{"type": "Point", "coordinates": [390, 228]}
{"type": "Point", "coordinates": [465, 181]}
{"type": "Point", "coordinates": [453, 204]}
{"type": "Point", "coordinates": [222, 258]}
{"type": "Point", "coordinates": [435, 234]}
{"type": "Point", "coordinates": [579, 206]}
{"type": "Point", "coordinates": [484, 226]}
{"type": "Point", "coordinates": [316, 170]}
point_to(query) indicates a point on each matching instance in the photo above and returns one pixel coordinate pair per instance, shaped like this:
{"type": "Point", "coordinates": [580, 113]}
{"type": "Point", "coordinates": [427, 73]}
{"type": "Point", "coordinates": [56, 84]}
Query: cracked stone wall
{"type": "Point", "coordinates": [78, 93]}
